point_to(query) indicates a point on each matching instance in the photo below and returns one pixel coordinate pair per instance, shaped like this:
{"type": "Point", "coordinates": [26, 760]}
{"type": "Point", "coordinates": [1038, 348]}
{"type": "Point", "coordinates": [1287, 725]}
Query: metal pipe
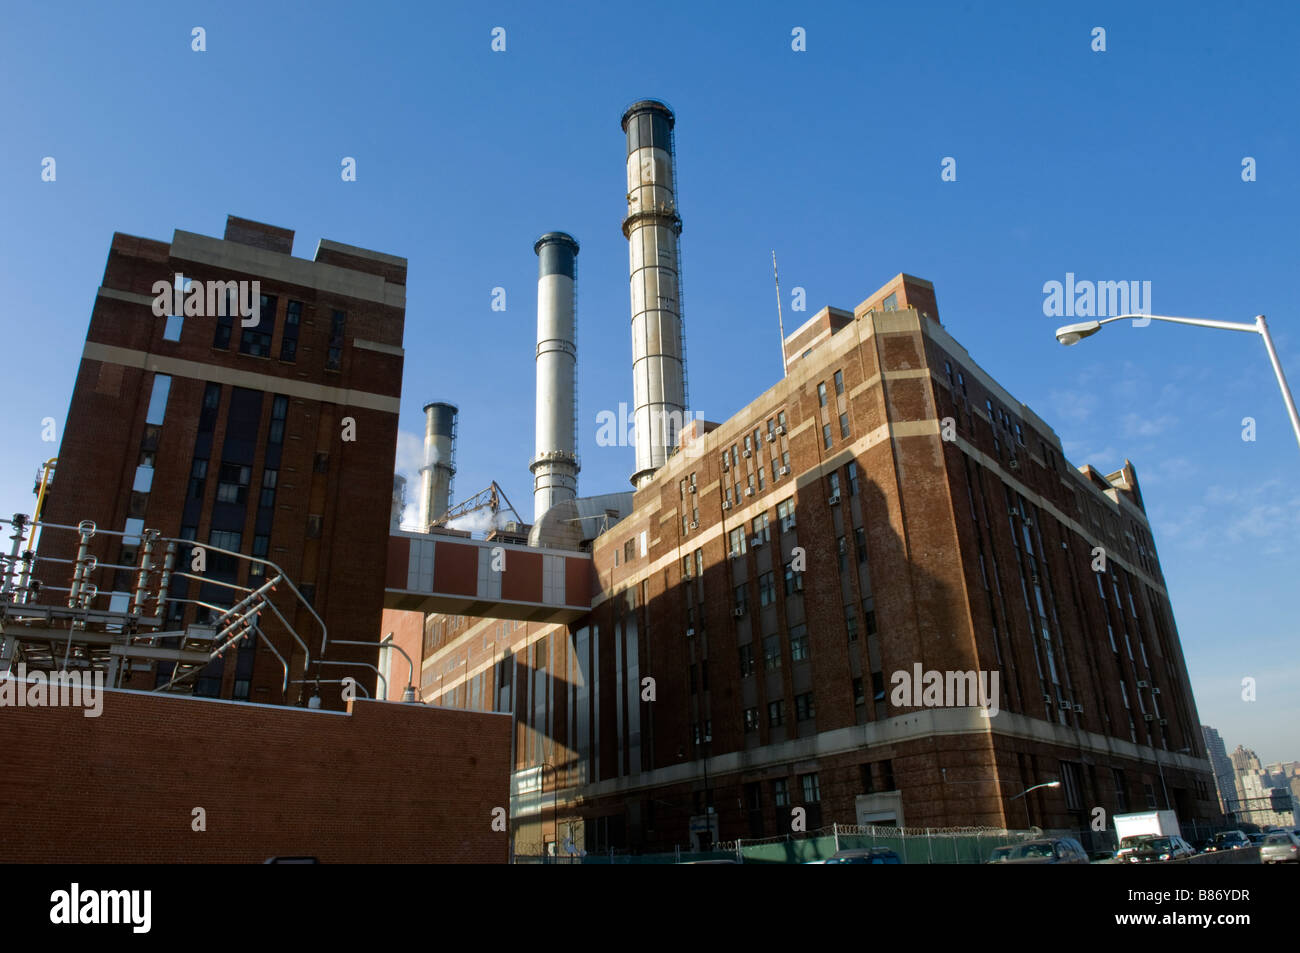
{"type": "Point", "coordinates": [87, 529]}
{"type": "Point", "coordinates": [164, 581]}
{"type": "Point", "coordinates": [384, 643]}
{"type": "Point", "coordinates": [1281, 378]}
{"type": "Point", "coordinates": [363, 664]}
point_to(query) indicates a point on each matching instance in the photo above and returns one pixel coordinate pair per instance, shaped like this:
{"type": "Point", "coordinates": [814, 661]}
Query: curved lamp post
{"type": "Point", "coordinates": [1074, 333]}
{"type": "Point", "coordinates": [1047, 784]}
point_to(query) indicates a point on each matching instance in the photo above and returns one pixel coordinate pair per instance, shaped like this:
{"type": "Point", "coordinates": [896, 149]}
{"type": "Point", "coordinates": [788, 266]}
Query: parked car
{"type": "Point", "coordinates": [1155, 849]}
{"type": "Point", "coordinates": [1280, 847]}
{"type": "Point", "coordinates": [864, 855]}
{"type": "Point", "coordinates": [1048, 850]}
{"type": "Point", "coordinates": [1257, 837]}
{"type": "Point", "coordinates": [1129, 844]}
{"type": "Point", "coordinates": [1000, 855]}
{"type": "Point", "coordinates": [1227, 840]}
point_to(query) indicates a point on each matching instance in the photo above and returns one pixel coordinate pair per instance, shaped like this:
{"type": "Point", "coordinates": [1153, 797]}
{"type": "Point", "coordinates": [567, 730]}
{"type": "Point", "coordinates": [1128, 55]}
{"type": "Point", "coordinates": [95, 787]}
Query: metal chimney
{"type": "Point", "coordinates": [439, 468]}
{"type": "Point", "coordinates": [651, 227]}
{"type": "Point", "coordinates": [555, 464]}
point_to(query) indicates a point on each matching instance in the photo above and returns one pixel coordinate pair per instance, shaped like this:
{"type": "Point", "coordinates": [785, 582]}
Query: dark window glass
{"type": "Point", "coordinates": [289, 340]}
{"type": "Point", "coordinates": [256, 340]}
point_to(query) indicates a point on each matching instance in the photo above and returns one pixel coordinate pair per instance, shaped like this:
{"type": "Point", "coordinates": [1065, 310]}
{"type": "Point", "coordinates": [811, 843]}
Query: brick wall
{"type": "Point", "coordinates": [382, 783]}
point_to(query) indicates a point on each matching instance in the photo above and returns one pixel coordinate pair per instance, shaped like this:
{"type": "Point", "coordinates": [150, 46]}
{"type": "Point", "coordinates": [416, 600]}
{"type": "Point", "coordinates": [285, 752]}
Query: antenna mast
{"type": "Point", "coordinates": [780, 322]}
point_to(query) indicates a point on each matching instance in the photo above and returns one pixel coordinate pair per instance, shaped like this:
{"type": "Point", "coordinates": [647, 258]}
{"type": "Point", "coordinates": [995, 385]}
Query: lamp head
{"type": "Point", "coordinates": [1074, 333]}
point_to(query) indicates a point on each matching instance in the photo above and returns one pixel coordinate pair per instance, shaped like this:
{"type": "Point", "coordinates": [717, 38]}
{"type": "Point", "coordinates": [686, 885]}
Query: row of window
{"type": "Point", "coordinates": [255, 340]}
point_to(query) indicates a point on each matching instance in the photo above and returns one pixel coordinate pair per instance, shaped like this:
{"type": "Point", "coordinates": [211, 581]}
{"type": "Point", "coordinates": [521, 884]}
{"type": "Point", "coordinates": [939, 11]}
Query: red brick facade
{"type": "Point", "coordinates": [381, 783]}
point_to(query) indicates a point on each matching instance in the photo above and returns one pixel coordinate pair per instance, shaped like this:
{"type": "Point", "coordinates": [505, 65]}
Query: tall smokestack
{"type": "Point", "coordinates": [439, 461]}
{"type": "Point", "coordinates": [651, 227]}
{"type": "Point", "coordinates": [555, 465]}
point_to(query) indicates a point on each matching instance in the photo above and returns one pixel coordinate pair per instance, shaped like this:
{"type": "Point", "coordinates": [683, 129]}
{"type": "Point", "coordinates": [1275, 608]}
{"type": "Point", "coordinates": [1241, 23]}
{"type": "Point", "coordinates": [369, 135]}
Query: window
{"type": "Point", "coordinates": [686, 567]}
{"type": "Point", "coordinates": [793, 580]}
{"type": "Point", "coordinates": [751, 720]}
{"type": "Point", "coordinates": [839, 382]}
{"type": "Point", "coordinates": [844, 425]}
{"type": "Point", "coordinates": [853, 477]}
{"type": "Point", "coordinates": [629, 550]}
{"type": "Point", "coordinates": [821, 394]}
{"type": "Point", "coordinates": [740, 599]}
{"type": "Point", "coordinates": [859, 692]}
{"type": "Point", "coordinates": [334, 356]}
{"type": "Point", "coordinates": [172, 330]}
{"type": "Point", "coordinates": [860, 543]}
{"type": "Point", "coordinates": [799, 643]}
{"type": "Point", "coordinates": [785, 513]}
{"type": "Point", "coordinates": [221, 336]}
{"type": "Point", "coordinates": [841, 552]}
{"type": "Point", "coordinates": [314, 526]}
{"type": "Point", "coordinates": [833, 483]}
{"type": "Point", "coordinates": [1150, 793]}
{"type": "Point", "coordinates": [736, 538]}
{"type": "Point", "coordinates": [289, 341]}
{"type": "Point", "coordinates": [198, 476]}
{"type": "Point", "coordinates": [256, 339]}
{"type": "Point", "coordinates": [162, 385]}
{"type": "Point", "coordinates": [269, 480]}
{"type": "Point", "coordinates": [826, 436]}
{"type": "Point", "coordinates": [279, 408]}
{"type": "Point", "coordinates": [871, 621]}
{"type": "Point", "coordinates": [851, 623]}
{"type": "Point", "coordinates": [322, 463]}
{"type": "Point", "coordinates": [772, 653]}
{"type": "Point", "coordinates": [766, 589]}
{"type": "Point", "coordinates": [812, 792]}
{"type": "Point", "coordinates": [232, 483]}
{"type": "Point", "coordinates": [699, 562]}
{"type": "Point", "coordinates": [776, 714]}
{"type": "Point", "coordinates": [890, 303]}
{"type": "Point", "coordinates": [746, 660]}
{"type": "Point", "coordinates": [781, 791]}
{"type": "Point", "coordinates": [761, 531]}
{"type": "Point", "coordinates": [803, 707]}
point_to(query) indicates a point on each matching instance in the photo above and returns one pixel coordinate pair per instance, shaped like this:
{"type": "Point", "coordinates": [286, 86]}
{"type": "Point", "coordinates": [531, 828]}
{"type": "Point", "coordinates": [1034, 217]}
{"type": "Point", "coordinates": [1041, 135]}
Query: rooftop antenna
{"type": "Point", "coordinates": [780, 322]}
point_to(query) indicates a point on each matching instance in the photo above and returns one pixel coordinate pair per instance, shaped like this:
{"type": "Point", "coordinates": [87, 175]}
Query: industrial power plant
{"type": "Point", "coordinates": [697, 660]}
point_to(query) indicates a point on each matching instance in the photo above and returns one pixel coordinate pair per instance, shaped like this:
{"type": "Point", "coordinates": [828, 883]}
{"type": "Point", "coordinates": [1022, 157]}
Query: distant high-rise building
{"type": "Point", "coordinates": [1224, 776]}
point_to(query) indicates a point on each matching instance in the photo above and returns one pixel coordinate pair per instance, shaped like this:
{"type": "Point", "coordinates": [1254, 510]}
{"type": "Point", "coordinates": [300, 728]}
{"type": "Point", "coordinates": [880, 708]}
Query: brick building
{"type": "Point", "coordinates": [885, 511]}
{"type": "Point", "coordinates": [267, 435]}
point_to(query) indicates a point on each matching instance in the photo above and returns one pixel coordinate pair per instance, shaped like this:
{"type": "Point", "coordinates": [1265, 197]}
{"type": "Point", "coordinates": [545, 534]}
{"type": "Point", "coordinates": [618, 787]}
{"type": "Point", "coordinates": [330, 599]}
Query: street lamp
{"type": "Point", "coordinates": [1074, 333]}
{"type": "Point", "coordinates": [1047, 784]}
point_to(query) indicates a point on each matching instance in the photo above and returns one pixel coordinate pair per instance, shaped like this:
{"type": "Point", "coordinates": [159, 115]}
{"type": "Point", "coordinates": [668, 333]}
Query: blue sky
{"type": "Point", "coordinates": [1115, 165]}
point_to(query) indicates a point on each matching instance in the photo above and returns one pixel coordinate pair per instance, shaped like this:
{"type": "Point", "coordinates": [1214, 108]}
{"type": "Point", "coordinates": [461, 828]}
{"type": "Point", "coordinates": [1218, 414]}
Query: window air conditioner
{"type": "Point", "coordinates": [738, 612]}
{"type": "Point", "coordinates": [780, 429]}
{"type": "Point", "coordinates": [784, 471]}
{"type": "Point", "coordinates": [835, 498]}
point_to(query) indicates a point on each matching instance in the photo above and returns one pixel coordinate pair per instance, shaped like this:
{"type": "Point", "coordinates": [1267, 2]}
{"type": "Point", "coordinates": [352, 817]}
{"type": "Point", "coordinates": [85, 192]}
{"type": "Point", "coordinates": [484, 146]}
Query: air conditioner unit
{"type": "Point", "coordinates": [726, 504]}
{"type": "Point", "coordinates": [1079, 709]}
{"type": "Point", "coordinates": [690, 632]}
{"type": "Point", "coordinates": [771, 438]}
{"type": "Point", "coordinates": [1155, 691]}
{"type": "Point", "coordinates": [756, 541]}
{"type": "Point", "coordinates": [1164, 721]}
{"type": "Point", "coordinates": [835, 498]}
{"type": "Point", "coordinates": [798, 583]}
{"type": "Point", "coordinates": [747, 454]}
{"type": "Point", "coordinates": [749, 491]}
{"type": "Point", "coordinates": [738, 612]}
{"type": "Point", "coordinates": [1047, 699]}
{"type": "Point", "coordinates": [780, 429]}
{"type": "Point", "coordinates": [1013, 464]}
{"type": "Point", "coordinates": [1143, 684]}
{"type": "Point", "coordinates": [1148, 717]}
{"type": "Point", "coordinates": [784, 471]}
{"type": "Point", "coordinates": [694, 489]}
{"type": "Point", "coordinates": [725, 466]}
{"type": "Point", "coordinates": [694, 525]}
